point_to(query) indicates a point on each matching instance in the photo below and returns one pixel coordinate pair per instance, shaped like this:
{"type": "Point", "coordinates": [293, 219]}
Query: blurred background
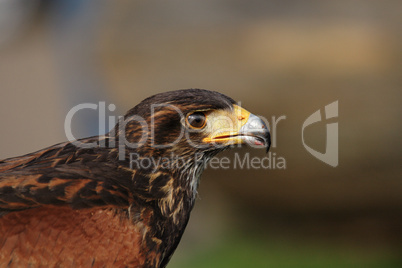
{"type": "Point", "coordinates": [279, 58]}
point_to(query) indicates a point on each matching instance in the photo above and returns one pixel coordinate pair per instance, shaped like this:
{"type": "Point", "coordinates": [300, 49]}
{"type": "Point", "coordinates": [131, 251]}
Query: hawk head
{"type": "Point", "coordinates": [191, 124]}
{"type": "Point", "coordinates": [176, 133]}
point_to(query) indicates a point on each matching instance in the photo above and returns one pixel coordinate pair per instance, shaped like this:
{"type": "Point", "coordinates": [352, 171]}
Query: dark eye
{"type": "Point", "coordinates": [197, 120]}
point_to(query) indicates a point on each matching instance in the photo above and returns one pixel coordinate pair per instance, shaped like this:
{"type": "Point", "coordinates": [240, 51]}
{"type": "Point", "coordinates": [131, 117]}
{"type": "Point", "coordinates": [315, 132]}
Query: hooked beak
{"type": "Point", "coordinates": [245, 127]}
{"type": "Point", "coordinates": [255, 132]}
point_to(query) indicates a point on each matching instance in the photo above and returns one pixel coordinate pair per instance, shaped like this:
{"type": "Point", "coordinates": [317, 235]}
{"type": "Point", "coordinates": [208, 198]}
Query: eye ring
{"type": "Point", "coordinates": [196, 120]}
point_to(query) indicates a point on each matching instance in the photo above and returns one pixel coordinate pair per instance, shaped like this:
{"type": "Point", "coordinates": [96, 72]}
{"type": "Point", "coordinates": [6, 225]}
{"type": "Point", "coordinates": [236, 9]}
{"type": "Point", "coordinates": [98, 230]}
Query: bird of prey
{"type": "Point", "coordinates": [85, 204]}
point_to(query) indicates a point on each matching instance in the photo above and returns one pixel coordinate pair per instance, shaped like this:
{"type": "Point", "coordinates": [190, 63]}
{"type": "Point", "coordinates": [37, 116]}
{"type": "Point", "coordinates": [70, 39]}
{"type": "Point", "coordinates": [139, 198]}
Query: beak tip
{"type": "Point", "coordinates": [268, 141]}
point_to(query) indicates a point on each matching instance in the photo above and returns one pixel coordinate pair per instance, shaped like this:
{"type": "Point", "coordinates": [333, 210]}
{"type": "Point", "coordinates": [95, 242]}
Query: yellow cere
{"type": "Point", "coordinates": [224, 125]}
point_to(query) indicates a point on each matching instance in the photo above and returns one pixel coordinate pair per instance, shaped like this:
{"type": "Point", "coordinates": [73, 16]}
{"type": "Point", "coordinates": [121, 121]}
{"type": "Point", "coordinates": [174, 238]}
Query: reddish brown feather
{"type": "Point", "coordinates": [53, 236]}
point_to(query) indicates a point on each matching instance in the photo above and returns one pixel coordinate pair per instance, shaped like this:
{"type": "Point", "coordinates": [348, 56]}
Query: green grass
{"type": "Point", "coordinates": [246, 252]}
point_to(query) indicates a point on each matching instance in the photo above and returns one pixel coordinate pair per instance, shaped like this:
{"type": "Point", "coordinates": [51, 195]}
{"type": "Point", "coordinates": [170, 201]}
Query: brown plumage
{"type": "Point", "coordinates": [72, 205]}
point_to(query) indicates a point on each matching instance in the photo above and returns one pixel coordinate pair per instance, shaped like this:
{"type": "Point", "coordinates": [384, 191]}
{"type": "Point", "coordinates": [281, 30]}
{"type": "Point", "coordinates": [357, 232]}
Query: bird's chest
{"type": "Point", "coordinates": [64, 237]}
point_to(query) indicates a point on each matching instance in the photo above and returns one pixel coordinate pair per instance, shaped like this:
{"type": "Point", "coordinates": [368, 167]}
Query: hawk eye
{"type": "Point", "coordinates": [197, 120]}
